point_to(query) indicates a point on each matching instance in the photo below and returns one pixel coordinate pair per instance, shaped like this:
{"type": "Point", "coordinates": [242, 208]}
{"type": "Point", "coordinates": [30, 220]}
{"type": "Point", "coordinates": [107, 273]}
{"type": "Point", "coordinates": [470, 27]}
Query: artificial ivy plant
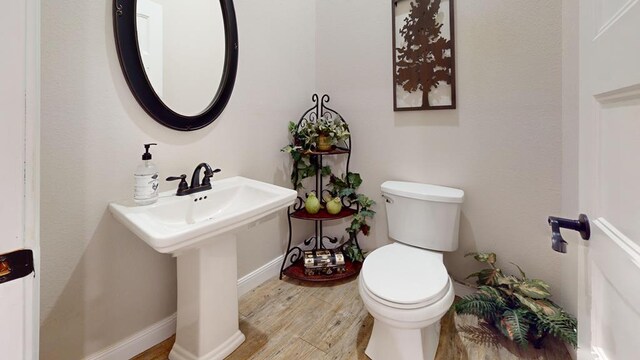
{"type": "Point", "coordinates": [303, 140]}
{"type": "Point", "coordinates": [347, 186]}
{"type": "Point", "coordinates": [518, 306]}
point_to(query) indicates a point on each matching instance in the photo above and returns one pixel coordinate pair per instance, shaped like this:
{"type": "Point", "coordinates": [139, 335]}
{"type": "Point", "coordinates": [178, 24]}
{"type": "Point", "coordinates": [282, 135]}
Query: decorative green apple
{"type": "Point", "coordinates": [334, 206]}
{"type": "Point", "coordinates": [312, 204]}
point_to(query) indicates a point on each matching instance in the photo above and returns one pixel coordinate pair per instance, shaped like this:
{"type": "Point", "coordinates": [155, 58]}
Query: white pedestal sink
{"type": "Point", "coordinates": [199, 229]}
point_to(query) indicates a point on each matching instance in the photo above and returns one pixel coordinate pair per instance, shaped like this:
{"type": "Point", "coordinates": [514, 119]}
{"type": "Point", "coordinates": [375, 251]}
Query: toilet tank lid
{"type": "Point", "coordinates": [423, 191]}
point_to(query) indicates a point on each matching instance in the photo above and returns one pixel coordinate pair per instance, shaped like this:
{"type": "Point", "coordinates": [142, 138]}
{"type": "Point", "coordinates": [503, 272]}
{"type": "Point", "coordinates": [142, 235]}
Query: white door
{"type": "Point", "coordinates": [149, 25]}
{"type": "Point", "coordinates": [609, 301]}
{"type": "Point", "coordinates": [19, 106]}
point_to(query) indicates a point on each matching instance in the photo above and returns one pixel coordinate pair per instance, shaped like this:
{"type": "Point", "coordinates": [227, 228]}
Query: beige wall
{"type": "Point", "coordinates": [570, 158]}
{"type": "Point", "coordinates": [100, 283]}
{"type": "Point", "coordinates": [503, 143]}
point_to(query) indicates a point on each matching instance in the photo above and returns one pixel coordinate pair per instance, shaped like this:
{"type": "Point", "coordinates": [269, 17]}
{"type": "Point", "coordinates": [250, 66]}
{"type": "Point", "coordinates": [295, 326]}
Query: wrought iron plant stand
{"type": "Point", "coordinates": [319, 241]}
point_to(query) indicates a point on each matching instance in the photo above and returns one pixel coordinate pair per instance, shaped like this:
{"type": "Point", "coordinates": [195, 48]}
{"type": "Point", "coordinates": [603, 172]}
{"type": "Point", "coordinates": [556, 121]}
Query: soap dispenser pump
{"type": "Point", "coordinates": [146, 180]}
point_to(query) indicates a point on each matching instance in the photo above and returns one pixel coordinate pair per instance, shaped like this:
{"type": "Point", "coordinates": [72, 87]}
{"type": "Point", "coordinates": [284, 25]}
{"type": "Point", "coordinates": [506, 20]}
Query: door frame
{"type": "Point", "coordinates": [32, 172]}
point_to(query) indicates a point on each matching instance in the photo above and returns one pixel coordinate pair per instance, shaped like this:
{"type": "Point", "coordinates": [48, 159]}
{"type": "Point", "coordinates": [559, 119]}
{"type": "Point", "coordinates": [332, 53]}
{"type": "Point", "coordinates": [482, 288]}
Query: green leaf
{"type": "Point", "coordinates": [562, 326]}
{"type": "Point", "coordinates": [548, 307]}
{"type": "Point", "coordinates": [486, 276]}
{"type": "Point", "coordinates": [325, 171]}
{"type": "Point", "coordinates": [367, 213]}
{"type": "Point", "coordinates": [540, 283]}
{"type": "Point", "coordinates": [515, 326]}
{"type": "Point", "coordinates": [493, 293]}
{"type": "Point", "coordinates": [533, 289]}
{"type": "Point", "coordinates": [364, 201]}
{"type": "Point", "coordinates": [354, 253]}
{"type": "Point", "coordinates": [529, 303]}
{"type": "Point", "coordinates": [479, 305]}
{"type": "Point", "coordinates": [524, 276]}
{"type": "Point", "coordinates": [489, 258]}
{"type": "Point", "coordinates": [507, 280]}
{"type": "Point", "coordinates": [506, 290]}
{"type": "Point", "coordinates": [354, 180]}
{"type": "Point", "coordinates": [345, 192]}
{"type": "Point", "coordinates": [292, 127]}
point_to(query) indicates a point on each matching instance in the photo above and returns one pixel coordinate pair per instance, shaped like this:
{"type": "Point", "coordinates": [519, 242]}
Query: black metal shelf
{"type": "Point", "coordinates": [293, 255]}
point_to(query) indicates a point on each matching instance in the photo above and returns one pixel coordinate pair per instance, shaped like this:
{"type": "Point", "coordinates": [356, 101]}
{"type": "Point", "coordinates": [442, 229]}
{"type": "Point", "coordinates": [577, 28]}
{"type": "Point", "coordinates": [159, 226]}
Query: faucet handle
{"type": "Point", "coordinates": [183, 182]}
{"type": "Point", "coordinates": [206, 180]}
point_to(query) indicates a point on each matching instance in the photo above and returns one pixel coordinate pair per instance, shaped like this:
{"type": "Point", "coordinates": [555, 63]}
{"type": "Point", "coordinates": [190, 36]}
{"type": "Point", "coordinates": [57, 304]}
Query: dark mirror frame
{"type": "Point", "coordinates": [126, 37]}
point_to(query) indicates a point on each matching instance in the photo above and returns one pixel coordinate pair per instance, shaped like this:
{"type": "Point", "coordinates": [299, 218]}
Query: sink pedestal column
{"type": "Point", "coordinates": [208, 301]}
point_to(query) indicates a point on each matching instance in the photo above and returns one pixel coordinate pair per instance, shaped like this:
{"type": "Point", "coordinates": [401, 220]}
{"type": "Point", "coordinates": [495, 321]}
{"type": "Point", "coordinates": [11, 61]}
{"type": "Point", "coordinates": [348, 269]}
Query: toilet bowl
{"type": "Point", "coordinates": [405, 285]}
{"type": "Point", "coordinates": [406, 300]}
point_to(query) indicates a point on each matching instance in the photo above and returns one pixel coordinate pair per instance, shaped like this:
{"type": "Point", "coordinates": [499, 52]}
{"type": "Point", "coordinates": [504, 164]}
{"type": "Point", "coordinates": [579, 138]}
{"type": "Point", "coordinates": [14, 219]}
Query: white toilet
{"type": "Point", "coordinates": [404, 285]}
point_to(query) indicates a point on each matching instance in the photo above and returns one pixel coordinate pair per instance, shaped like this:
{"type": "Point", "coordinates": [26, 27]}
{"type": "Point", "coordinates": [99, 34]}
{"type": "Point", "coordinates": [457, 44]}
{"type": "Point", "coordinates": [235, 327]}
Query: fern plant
{"type": "Point", "coordinates": [518, 306]}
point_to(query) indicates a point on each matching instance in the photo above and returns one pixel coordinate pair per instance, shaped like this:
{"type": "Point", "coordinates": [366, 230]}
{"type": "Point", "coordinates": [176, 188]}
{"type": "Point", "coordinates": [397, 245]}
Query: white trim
{"type": "Point", "coordinates": [627, 245]}
{"type": "Point", "coordinates": [253, 279]}
{"type": "Point", "coordinates": [598, 354]}
{"type": "Point", "coordinates": [138, 342]}
{"type": "Point", "coordinates": [222, 351]}
{"type": "Point", "coordinates": [32, 174]}
{"type": "Point", "coordinates": [618, 95]}
{"type": "Point", "coordinates": [617, 16]}
{"type": "Point", "coordinates": [163, 329]}
{"type": "Point", "coordinates": [462, 289]}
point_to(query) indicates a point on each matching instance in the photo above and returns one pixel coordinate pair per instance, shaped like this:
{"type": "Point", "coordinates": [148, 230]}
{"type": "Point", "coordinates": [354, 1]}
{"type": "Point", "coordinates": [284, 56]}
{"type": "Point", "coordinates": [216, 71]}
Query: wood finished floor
{"type": "Point", "coordinates": [294, 320]}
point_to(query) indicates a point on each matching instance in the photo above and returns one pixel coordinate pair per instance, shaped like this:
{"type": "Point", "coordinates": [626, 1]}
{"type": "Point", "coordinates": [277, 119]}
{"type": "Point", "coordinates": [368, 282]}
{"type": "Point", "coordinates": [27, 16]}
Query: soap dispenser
{"type": "Point", "coordinates": [146, 178]}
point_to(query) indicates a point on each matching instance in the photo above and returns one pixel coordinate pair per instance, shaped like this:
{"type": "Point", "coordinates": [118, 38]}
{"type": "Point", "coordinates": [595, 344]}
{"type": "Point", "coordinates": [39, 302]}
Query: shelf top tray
{"type": "Point", "coordinates": [323, 214]}
{"type": "Point", "coordinates": [334, 151]}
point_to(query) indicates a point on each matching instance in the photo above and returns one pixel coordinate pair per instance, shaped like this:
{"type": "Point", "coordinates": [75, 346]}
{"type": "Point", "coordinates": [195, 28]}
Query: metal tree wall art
{"type": "Point", "coordinates": [423, 45]}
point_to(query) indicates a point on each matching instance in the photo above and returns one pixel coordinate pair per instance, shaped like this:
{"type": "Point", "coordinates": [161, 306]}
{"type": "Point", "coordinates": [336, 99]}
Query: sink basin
{"type": "Point", "coordinates": [176, 223]}
{"type": "Point", "coordinates": [200, 230]}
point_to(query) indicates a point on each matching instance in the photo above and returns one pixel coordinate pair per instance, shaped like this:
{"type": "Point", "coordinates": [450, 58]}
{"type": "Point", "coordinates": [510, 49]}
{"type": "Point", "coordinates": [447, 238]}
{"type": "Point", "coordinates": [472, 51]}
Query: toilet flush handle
{"type": "Point", "coordinates": [387, 199]}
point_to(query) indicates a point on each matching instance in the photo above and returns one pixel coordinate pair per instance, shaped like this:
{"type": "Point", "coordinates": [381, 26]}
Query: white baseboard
{"type": "Point", "coordinates": [462, 289]}
{"type": "Point", "coordinates": [260, 275]}
{"type": "Point", "coordinates": [163, 329]}
{"type": "Point", "coordinates": [138, 342]}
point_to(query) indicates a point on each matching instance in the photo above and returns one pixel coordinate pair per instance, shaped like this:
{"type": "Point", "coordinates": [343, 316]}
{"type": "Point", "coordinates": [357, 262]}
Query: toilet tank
{"type": "Point", "coordinates": [423, 215]}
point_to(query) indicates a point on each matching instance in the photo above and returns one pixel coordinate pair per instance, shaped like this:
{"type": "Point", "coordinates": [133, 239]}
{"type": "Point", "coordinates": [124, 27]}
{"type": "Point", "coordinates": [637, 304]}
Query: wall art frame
{"type": "Point", "coordinates": [423, 55]}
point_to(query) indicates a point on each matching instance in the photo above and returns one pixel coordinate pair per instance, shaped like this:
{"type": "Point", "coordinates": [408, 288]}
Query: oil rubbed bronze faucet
{"type": "Point", "coordinates": [196, 186]}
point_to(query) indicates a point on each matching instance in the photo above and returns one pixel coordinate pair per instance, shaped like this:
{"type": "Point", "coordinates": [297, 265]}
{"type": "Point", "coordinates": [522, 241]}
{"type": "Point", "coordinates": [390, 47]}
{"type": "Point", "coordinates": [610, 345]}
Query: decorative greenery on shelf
{"type": "Point", "coordinates": [303, 140]}
{"type": "Point", "coordinates": [353, 252]}
{"type": "Point", "coordinates": [303, 167]}
{"type": "Point", "coordinates": [347, 186]}
{"type": "Point", "coordinates": [518, 306]}
{"type": "Point", "coordinates": [334, 127]}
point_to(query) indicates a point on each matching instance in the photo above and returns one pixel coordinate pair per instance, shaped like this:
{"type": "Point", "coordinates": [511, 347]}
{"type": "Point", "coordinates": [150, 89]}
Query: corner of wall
{"type": "Point", "coordinates": [570, 124]}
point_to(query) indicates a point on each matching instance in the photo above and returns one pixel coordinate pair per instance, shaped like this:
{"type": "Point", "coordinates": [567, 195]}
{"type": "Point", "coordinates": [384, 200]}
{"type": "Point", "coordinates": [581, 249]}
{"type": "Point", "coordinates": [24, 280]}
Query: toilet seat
{"type": "Point", "coordinates": [405, 277]}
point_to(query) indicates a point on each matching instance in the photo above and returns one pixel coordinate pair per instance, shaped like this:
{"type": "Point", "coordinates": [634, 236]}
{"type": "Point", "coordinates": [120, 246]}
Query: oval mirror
{"type": "Point", "coordinates": [178, 57]}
